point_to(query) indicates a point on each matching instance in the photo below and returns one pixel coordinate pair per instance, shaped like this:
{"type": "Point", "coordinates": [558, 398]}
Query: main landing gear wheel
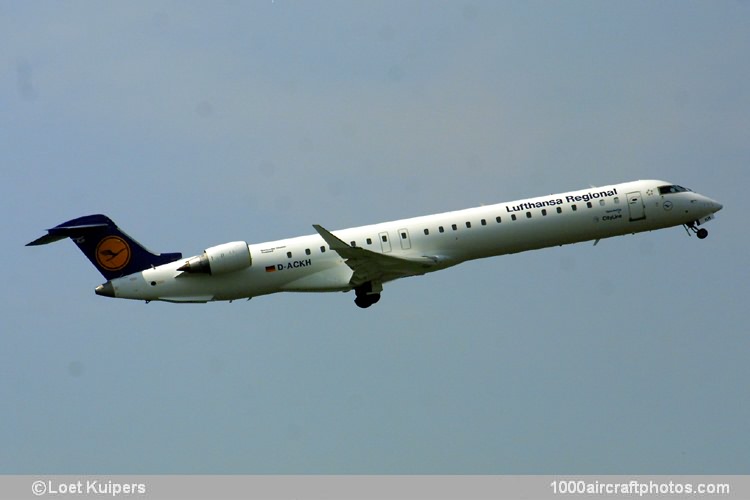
{"type": "Point", "coordinates": [366, 295]}
{"type": "Point", "coordinates": [367, 300]}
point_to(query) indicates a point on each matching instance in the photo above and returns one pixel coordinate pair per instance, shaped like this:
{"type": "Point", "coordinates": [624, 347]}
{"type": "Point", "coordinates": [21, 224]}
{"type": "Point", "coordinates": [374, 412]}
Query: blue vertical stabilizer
{"type": "Point", "coordinates": [112, 252]}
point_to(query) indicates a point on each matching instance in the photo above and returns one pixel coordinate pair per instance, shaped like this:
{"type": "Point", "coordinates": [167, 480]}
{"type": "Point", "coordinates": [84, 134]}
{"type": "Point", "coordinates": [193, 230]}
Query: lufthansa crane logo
{"type": "Point", "coordinates": [113, 253]}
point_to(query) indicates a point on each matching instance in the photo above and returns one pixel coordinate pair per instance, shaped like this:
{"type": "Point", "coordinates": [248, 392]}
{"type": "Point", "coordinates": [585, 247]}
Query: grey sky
{"type": "Point", "coordinates": [192, 124]}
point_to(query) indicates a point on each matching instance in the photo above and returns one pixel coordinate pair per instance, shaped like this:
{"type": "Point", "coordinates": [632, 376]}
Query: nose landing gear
{"type": "Point", "coordinates": [700, 233]}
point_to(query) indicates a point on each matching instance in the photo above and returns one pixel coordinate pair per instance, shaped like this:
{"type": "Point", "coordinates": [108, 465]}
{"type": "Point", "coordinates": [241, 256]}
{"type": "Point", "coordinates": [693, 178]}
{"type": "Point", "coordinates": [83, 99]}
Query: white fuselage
{"type": "Point", "coordinates": [308, 264]}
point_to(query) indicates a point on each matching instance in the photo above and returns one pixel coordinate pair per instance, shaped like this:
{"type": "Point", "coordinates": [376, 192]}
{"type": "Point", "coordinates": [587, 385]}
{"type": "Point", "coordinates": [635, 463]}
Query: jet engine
{"type": "Point", "coordinates": [221, 259]}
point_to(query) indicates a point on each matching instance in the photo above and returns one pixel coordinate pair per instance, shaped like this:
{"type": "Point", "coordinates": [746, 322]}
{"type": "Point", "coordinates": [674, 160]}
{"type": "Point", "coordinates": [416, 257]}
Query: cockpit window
{"type": "Point", "coordinates": [672, 189]}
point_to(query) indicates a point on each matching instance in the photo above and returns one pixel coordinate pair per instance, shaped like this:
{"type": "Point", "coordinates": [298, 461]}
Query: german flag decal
{"type": "Point", "coordinates": [270, 269]}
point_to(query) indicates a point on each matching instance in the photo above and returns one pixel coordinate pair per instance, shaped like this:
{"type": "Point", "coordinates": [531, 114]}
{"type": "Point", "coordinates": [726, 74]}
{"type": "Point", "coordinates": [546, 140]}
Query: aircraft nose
{"type": "Point", "coordinates": [105, 290]}
{"type": "Point", "coordinates": [714, 205]}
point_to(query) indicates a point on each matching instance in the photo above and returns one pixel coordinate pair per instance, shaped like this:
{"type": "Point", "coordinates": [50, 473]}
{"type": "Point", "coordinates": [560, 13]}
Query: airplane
{"type": "Point", "coordinates": [364, 258]}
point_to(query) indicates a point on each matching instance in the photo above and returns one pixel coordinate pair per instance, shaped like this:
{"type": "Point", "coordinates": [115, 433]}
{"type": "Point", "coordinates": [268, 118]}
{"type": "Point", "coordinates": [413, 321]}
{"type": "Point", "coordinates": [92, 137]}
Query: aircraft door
{"type": "Point", "coordinates": [385, 242]}
{"type": "Point", "coordinates": [404, 237]}
{"type": "Point", "coordinates": [635, 206]}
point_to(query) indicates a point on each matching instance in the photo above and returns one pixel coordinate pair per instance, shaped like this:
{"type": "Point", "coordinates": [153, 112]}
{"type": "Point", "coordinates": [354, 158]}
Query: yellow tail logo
{"type": "Point", "coordinates": [113, 253]}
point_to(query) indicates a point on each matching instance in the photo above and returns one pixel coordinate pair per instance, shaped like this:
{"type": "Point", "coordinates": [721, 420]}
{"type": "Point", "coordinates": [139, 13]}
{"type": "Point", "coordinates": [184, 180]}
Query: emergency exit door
{"type": "Point", "coordinates": [404, 237]}
{"type": "Point", "coordinates": [385, 242]}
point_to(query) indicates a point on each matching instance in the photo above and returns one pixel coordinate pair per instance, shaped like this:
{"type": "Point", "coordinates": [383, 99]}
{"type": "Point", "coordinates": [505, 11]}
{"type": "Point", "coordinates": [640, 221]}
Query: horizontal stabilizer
{"type": "Point", "coordinates": [63, 231]}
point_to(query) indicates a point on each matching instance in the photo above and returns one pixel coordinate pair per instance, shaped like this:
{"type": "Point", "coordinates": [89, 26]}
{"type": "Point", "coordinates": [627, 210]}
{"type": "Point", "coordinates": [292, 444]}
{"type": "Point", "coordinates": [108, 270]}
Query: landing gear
{"type": "Point", "coordinates": [368, 294]}
{"type": "Point", "coordinates": [366, 301]}
{"type": "Point", "coordinates": [700, 233]}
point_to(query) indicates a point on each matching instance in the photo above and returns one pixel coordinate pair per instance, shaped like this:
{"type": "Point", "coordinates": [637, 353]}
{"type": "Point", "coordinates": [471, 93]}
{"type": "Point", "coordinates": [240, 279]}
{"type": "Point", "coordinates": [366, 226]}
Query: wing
{"type": "Point", "coordinates": [372, 266]}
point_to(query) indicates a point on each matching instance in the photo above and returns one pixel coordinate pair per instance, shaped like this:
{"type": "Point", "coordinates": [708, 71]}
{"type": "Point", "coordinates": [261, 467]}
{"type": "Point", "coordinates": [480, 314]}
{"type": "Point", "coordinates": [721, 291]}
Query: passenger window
{"type": "Point", "coordinates": [601, 203]}
{"type": "Point", "coordinates": [484, 222]}
{"type": "Point", "coordinates": [455, 227]}
{"type": "Point", "coordinates": [441, 229]}
{"type": "Point", "coordinates": [289, 254]}
{"type": "Point", "coordinates": [588, 204]}
{"type": "Point", "coordinates": [498, 219]}
{"type": "Point", "coordinates": [512, 216]}
{"type": "Point", "coordinates": [426, 232]}
{"type": "Point", "coordinates": [617, 200]}
{"type": "Point", "coordinates": [322, 249]}
{"type": "Point", "coordinates": [385, 239]}
{"type": "Point", "coordinates": [544, 211]}
{"type": "Point", "coordinates": [307, 251]}
{"type": "Point", "coordinates": [403, 236]}
{"type": "Point", "coordinates": [354, 244]}
{"type": "Point", "coordinates": [574, 208]}
{"type": "Point", "coordinates": [468, 225]}
{"type": "Point", "coordinates": [559, 210]}
{"type": "Point", "coordinates": [528, 215]}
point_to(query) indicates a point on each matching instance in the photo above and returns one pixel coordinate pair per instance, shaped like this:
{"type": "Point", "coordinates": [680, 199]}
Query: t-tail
{"type": "Point", "coordinates": [112, 252]}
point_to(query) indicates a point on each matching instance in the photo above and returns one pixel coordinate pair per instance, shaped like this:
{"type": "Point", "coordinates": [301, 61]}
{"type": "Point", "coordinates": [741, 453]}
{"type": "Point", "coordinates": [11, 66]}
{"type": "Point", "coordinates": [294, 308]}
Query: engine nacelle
{"type": "Point", "coordinates": [220, 259]}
